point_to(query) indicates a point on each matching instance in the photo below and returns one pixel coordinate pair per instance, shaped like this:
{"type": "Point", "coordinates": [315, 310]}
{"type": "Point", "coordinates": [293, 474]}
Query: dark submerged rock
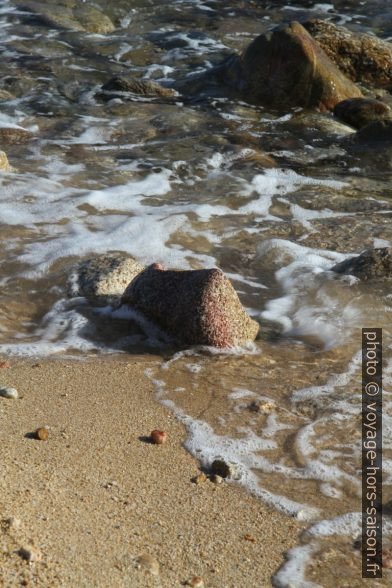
{"type": "Point", "coordinates": [362, 58]}
{"type": "Point", "coordinates": [196, 307]}
{"type": "Point", "coordinates": [121, 85]}
{"type": "Point", "coordinates": [359, 112]}
{"type": "Point", "coordinates": [372, 263]}
{"type": "Point", "coordinates": [376, 132]}
{"type": "Point", "coordinates": [287, 68]}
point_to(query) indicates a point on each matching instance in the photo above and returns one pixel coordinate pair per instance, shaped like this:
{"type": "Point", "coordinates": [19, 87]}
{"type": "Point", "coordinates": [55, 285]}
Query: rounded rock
{"type": "Point", "coordinates": [222, 468]}
{"type": "Point", "coordinates": [42, 434]}
{"type": "Point", "coordinates": [158, 437]}
{"type": "Point", "coordinates": [359, 112]}
{"type": "Point", "coordinates": [30, 553]}
{"type": "Point", "coordinates": [11, 393]}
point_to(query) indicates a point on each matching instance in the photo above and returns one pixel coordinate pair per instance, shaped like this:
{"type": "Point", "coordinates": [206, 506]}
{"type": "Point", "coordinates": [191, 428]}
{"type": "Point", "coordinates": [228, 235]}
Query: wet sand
{"type": "Point", "coordinates": [96, 496]}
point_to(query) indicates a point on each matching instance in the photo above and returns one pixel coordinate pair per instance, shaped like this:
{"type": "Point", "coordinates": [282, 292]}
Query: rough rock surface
{"type": "Point", "coordinates": [196, 307]}
{"type": "Point", "coordinates": [4, 163]}
{"type": "Point", "coordinates": [69, 14]}
{"type": "Point", "coordinates": [359, 112]}
{"type": "Point", "coordinates": [103, 279]}
{"type": "Point", "coordinates": [14, 135]}
{"type": "Point", "coordinates": [362, 58]}
{"type": "Point", "coordinates": [288, 68]}
{"type": "Point", "coordinates": [372, 263]}
{"type": "Point", "coordinates": [118, 85]}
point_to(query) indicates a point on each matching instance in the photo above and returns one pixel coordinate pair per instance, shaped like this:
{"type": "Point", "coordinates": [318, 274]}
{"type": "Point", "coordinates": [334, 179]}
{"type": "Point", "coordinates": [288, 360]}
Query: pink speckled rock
{"type": "Point", "coordinates": [196, 307]}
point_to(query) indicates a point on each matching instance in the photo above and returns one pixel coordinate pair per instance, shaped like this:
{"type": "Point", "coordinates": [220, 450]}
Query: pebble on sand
{"type": "Point", "coordinates": [158, 437]}
{"type": "Point", "coordinates": [30, 554]}
{"type": "Point", "coordinates": [148, 563]}
{"type": "Point", "coordinates": [196, 582]}
{"type": "Point", "coordinates": [6, 392]}
{"type": "Point", "coordinates": [5, 364]}
{"type": "Point", "coordinates": [200, 479]}
{"type": "Point", "coordinates": [222, 468]}
{"type": "Point", "coordinates": [13, 523]}
{"type": "Point", "coordinates": [42, 434]}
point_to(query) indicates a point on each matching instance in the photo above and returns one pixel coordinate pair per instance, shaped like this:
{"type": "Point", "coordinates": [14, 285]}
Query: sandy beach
{"type": "Point", "coordinates": [96, 496]}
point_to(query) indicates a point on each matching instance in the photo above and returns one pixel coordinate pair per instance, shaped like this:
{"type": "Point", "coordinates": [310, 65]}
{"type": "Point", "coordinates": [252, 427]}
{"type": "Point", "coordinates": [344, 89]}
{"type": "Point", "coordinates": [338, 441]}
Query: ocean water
{"type": "Point", "coordinates": [187, 183]}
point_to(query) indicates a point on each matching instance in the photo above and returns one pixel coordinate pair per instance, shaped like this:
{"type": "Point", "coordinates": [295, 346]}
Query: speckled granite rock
{"type": "Point", "coordinates": [196, 307]}
{"type": "Point", "coordinates": [286, 67]}
{"type": "Point", "coordinates": [372, 263]}
{"type": "Point", "coordinates": [103, 279]}
{"type": "Point", "coordinates": [362, 58]}
{"type": "Point", "coordinates": [359, 112]}
{"type": "Point", "coordinates": [14, 135]}
{"type": "Point", "coordinates": [119, 86]}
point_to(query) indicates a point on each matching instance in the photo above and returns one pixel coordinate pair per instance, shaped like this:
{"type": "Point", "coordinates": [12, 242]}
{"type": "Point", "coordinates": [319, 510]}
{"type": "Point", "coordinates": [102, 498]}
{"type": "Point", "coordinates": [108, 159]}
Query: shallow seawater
{"type": "Point", "coordinates": [274, 198]}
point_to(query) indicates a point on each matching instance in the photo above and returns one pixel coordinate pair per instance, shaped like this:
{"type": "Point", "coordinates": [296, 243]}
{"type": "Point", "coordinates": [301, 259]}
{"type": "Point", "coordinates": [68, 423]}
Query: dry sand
{"type": "Point", "coordinates": [94, 497]}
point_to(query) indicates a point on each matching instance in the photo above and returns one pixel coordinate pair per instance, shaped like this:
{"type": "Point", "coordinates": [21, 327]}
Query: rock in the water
{"type": "Point", "coordinates": [4, 163]}
{"type": "Point", "coordinates": [120, 86]}
{"type": "Point", "coordinates": [376, 132]}
{"type": "Point", "coordinates": [69, 14]}
{"type": "Point", "coordinates": [103, 279]}
{"type": "Point", "coordinates": [6, 392]}
{"type": "Point", "coordinates": [196, 307]}
{"type": "Point", "coordinates": [372, 263]}
{"type": "Point", "coordinates": [362, 58]}
{"type": "Point", "coordinates": [223, 469]}
{"type": "Point", "coordinates": [286, 67]}
{"type": "Point", "coordinates": [359, 112]}
{"type": "Point", "coordinates": [14, 135]}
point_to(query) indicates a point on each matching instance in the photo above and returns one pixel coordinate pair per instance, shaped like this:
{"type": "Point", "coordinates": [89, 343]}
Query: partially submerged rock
{"type": "Point", "coordinates": [362, 58]}
{"type": "Point", "coordinates": [122, 85]}
{"type": "Point", "coordinates": [4, 163]}
{"type": "Point", "coordinates": [14, 135]}
{"type": "Point", "coordinates": [286, 68]}
{"type": "Point", "coordinates": [196, 307]}
{"type": "Point", "coordinates": [372, 263]}
{"type": "Point", "coordinates": [359, 112]}
{"type": "Point", "coordinates": [69, 14]}
{"type": "Point", "coordinates": [376, 132]}
{"type": "Point", "coordinates": [103, 279]}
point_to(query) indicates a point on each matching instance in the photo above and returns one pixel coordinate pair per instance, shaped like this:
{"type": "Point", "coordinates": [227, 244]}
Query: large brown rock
{"type": "Point", "coordinates": [286, 67]}
{"type": "Point", "coordinates": [196, 307]}
{"type": "Point", "coordinates": [362, 58]}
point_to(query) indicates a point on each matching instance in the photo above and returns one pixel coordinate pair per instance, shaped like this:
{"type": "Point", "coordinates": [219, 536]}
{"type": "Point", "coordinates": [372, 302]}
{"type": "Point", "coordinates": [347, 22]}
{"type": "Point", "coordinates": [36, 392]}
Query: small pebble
{"type": "Point", "coordinates": [250, 538]}
{"type": "Point", "coordinates": [148, 563]}
{"type": "Point", "coordinates": [42, 434]}
{"type": "Point", "coordinates": [196, 582]}
{"type": "Point", "coordinates": [158, 437]}
{"type": "Point", "coordinates": [200, 479]}
{"type": "Point", "coordinates": [216, 479]}
{"type": "Point", "coordinates": [13, 523]}
{"type": "Point", "coordinates": [31, 554]}
{"type": "Point", "coordinates": [5, 364]}
{"type": "Point", "coordinates": [9, 393]}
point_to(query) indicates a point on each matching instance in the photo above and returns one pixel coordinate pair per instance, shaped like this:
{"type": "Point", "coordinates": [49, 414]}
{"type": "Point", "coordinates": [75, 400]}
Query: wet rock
{"type": "Point", "coordinates": [359, 112]}
{"type": "Point", "coordinates": [362, 58]}
{"type": "Point", "coordinates": [4, 95]}
{"type": "Point", "coordinates": [223, 469]}
{"type": "Point", "coordinates": [69, 14]}
{"type": "Point", "coordinates": [30, 553]}
{"type": "Point", "coordinates": [14, 136]}
{"type": "Point", "coordinates": [4, 163]}
{"type": "Point", "coordinates": [123, 85]}
{"type": "Point", "coordinates": [372, 263]}
{"type": "Point", "coordinates": [196, 307]}
{"type": "Point", "coordinates": [376, 132]}
{"type": "Point", "coordinates": [148, 563]}
{"type": "Point", "coordinates": [11, 393]}
{"type": "Point", "coordinates": [286, 68]}
{"type": "Point", "coordinates": [103, 279]}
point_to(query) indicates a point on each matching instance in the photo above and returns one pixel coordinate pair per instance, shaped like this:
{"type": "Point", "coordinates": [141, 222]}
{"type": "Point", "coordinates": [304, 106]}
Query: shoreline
{"type": "Point", "coordinates": [96, 496]}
